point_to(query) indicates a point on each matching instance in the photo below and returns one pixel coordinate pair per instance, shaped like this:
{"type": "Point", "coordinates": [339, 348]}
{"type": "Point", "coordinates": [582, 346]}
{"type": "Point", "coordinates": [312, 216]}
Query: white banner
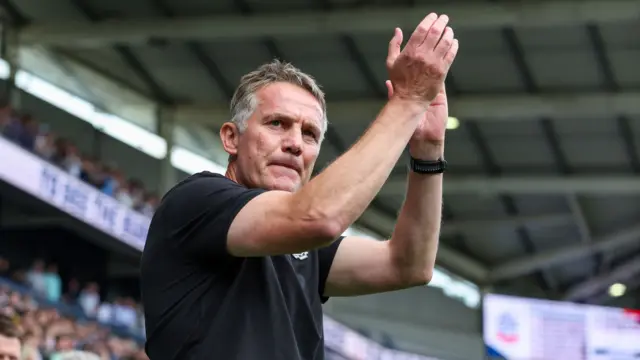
{"type": "Point", "coordinates": [26, 171]}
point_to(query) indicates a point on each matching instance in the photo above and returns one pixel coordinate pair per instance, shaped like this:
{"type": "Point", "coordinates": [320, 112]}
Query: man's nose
{"type": "Point", "coordinates": [292, 142]}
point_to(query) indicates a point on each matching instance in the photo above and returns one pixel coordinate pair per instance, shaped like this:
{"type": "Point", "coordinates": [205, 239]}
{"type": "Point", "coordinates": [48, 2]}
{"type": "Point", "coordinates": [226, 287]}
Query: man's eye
{"type": "Point", "coordinates": [310, 133]}
{"type": "Point", "coordinates": [275, 123]}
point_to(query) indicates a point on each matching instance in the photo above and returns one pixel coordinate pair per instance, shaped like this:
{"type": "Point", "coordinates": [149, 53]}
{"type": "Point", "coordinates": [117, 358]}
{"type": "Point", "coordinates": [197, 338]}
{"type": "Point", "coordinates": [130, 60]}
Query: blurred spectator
{"type": "Point", "coordinates": [123, 195]}
{"type": "Point", "coordinates": [136, 191]}
{"type": "Point", "coordinates": [23, 131]}
{"type": "Point", "coordinates": [59, 151]}
{"type": "Point", "coordinates": [89, 299]}
{"type": "Point", "coordinates": [36, 278]}
{"type": "Point", "coordinates": [54, 284]}
{"type": "Point", "coordinates": [124, 313]}
{"type": "Point", "coordinates": [68, 158]}
{"type": "Point", "coordinates": [105, 313]}
{"type": "Point", "coordinates": [27, 138]}
{"type": "Point", "coordinates": [65, 343]}
{"type": "Point", "coordinates": [30, 347]}
{"type": "Point", "coordinates": [99, 349]}
{"type": "Point", "coordinates": [45, 144]}
{"type": "Point", "coordinates": [12, 128]}
{"type": "Point", "coordinates": [110, 180]}
{"type": "Point", "coordinates": [9, 339]}
{"type": "Point", "coordinates": [149, 204]}
{"type": "Point", "coordinates": [73, 292]}
{"type": "Point", "coordinates": [91, 172]}
{"type": "Point", "coordinates": [4, 267]}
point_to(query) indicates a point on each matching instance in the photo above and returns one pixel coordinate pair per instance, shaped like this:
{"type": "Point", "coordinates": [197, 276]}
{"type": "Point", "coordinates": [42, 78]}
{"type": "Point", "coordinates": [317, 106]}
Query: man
{"type": "Point", "coordinates": [237, 266]}
{"type": "Point", "coordinates": [10, 346]}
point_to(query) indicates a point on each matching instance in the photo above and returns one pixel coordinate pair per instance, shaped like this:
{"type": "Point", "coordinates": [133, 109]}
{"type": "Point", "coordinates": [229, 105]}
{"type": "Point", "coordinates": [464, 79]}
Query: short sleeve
{"type": "Point", "coordinates": [199, 212]}
{"type": "Point", "coordinates": [325, 257]}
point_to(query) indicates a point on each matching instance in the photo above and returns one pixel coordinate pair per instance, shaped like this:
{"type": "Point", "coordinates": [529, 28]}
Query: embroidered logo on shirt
{"type": "Point", "coordinates": [301, 256]}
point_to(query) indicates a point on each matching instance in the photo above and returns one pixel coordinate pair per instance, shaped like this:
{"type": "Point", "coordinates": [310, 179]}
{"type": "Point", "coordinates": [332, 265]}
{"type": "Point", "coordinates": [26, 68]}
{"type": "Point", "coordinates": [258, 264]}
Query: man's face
{"type": "Point", "coordinates": [9, 348]}
{"type": "Point", "coordinates": [280, 145]}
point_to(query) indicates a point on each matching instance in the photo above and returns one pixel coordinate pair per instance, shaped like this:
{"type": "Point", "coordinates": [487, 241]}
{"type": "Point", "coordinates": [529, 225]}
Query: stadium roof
{"type": "Point", "coordinates": [542, 189]}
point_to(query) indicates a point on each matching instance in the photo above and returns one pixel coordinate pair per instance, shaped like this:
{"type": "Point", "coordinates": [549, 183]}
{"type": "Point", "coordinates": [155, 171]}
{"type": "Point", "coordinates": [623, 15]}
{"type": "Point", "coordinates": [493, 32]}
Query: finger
{"type": "Point", "coordinates": [389, 86]}
{"type": "Point", "coordinates": [394, 47]}
{"type": "Point", "coordinates": [445, 43]}
{"type": "Point", "coordinates": [435, 32]}
{"type": "Point", "coordinates": [421, 32]}
{"type": "Point", "coordinates": [453, 51]}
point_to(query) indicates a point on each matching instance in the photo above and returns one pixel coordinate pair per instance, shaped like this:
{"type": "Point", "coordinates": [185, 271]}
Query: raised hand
{"type": "Point", "coordinates": [417, 72]}
{"type": "Point", "coordinates": [434, 55]}
{"type": "Point", "coordinates": [433, 125]}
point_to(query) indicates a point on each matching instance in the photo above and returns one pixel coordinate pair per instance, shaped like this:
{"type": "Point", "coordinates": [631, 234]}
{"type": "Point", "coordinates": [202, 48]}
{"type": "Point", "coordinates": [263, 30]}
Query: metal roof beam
{"type": "Point", "coordinates": [533, 185]}
{"type": "Point", "coordinates": [372, 19]}
{"type": "Point", "coordinates": [453, 227]}
{"type": "Point", "coordinates": [626, 271]}
{"type": "Point", "coordinates": [493, 108]}
{"type": "Point", "coordinates": [526, 265]}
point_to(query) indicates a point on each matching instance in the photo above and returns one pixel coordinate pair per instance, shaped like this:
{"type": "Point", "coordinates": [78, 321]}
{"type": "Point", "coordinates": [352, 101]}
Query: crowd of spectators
{"type": "Point", "coordinates": [54, 325]}
{"type": "Point", "coordinates": [25, 131]}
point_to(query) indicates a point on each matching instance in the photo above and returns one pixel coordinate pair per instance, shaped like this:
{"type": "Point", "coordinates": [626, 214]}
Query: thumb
{"type": "Point", "coordinates": [389, 88]}
{"type": "Point", "coordinates": [394, 47]}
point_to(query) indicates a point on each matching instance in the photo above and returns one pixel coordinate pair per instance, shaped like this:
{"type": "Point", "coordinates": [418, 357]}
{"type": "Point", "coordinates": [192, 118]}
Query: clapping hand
{"type": "Point", "coordinates": [417, 73]}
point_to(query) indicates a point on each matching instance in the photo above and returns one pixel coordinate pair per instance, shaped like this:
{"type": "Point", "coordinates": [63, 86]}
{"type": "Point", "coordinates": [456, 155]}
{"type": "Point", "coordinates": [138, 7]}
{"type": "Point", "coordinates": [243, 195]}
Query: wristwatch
{"type": "Point", "coordinates": [428, 166]}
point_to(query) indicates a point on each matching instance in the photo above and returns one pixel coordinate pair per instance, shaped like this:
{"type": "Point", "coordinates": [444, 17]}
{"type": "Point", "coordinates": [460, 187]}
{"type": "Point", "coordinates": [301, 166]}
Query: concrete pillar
{"type": "Point", "coordinates": [9, 51]}
{"type": "Point", "coordinates": [166, 129]}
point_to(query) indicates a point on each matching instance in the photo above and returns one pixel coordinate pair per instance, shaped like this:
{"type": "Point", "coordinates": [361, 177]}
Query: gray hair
{"type": "Point", "coordinates": [244, 101]}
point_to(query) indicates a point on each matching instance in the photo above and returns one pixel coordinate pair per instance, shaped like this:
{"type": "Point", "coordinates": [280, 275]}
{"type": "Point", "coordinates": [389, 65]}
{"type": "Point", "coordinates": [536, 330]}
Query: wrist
{"type": "Point", "coordinates": [423, 150]}
{"type": "Point", "coordinates": [412, 107]}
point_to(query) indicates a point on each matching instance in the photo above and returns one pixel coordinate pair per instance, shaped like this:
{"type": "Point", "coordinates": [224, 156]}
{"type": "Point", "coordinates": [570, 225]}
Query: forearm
{"type": "Point", "coordinates": [342, 192]}
{"type": "Point", "coordinates": [415, 238]}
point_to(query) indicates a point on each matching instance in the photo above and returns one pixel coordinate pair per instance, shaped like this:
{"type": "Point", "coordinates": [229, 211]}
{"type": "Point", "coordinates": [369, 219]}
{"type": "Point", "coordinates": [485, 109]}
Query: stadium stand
{"type": "Point", "coordinates": [53, 326]}
{"type": "Point", "coordinates": [25, 131]}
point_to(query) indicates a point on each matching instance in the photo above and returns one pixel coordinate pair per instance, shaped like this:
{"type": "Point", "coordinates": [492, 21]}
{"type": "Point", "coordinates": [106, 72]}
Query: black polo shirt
{"type": "Point", "coordinates": [202, 303]}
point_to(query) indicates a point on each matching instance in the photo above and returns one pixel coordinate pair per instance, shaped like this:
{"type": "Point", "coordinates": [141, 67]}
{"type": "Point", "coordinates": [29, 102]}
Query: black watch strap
{"type": "Point", "coordinates": [428, 166]}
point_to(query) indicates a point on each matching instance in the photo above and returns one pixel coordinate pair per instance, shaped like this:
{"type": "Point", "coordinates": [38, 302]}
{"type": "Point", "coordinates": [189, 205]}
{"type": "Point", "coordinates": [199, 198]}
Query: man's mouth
{"type": "Point", "coordinates": [287, 165]}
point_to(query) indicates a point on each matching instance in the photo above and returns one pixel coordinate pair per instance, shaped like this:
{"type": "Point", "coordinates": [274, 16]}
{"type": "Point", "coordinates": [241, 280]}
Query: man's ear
{"type": "Point", "coordinates": [230, 137]}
